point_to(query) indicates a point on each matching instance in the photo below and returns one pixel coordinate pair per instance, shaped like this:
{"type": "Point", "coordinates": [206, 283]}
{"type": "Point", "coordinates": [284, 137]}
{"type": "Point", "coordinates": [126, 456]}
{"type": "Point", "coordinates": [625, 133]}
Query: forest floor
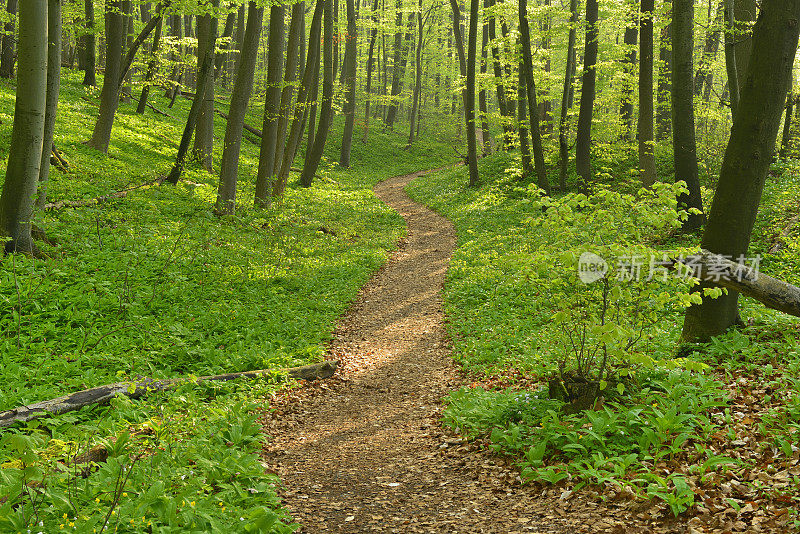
{"type": "Point", "coordinates": [366, 451]}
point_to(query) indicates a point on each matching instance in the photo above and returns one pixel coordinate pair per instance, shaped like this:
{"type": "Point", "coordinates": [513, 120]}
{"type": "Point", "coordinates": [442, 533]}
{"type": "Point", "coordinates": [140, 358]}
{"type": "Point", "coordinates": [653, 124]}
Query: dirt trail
{"type": "Point", "coordinates": [365, 451]}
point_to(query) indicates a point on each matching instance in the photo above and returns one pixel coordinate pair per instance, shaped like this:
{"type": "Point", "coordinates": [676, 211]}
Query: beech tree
{"type": "Point", "coordinates": [583, 143]}
{"type": "Point", "coordinates": [747, 157]}
{"type": "Point", "coordinates": [647, 159]}
{"type": "Point", "coordinates": [27, 134]}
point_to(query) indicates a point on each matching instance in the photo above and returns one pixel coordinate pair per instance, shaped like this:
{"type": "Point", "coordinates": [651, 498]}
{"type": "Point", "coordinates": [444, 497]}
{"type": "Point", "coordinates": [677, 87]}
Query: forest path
{"type": "Point", "coordinates": [365, 450]}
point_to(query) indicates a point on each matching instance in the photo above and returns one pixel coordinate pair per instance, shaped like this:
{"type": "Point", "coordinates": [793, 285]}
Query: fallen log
{"type": "Point", "coordinates": [135, 390]}
{"type": "Point", "coordinates": [721, 271]}
{"type": "Point", "coordinates": [251, 129]}
{"type": "Point", "coordinates": [97, 200]}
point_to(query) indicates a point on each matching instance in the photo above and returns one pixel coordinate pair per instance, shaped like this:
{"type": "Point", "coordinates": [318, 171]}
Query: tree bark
{"type": "Point", "coordinates": [663, 109]}
{"type": "Point", "coordinates": [204, 131]}
{"type": "Point", "coordinates": [583, 144]}
{"type": "Point", "coordinates": [8, 53]}
{"type": "Point", "coordinates": [467, 66]}
{"type": "Point", "coordinates": [25, 151]}
{"type": "Point", "coordinates": [787, 126]}
{"type": "Point", "coordinates": [683, 127]}
{"type": "Point", "coordinates": [417, 78]}
{"type": "Point", "coordinates": [303, 99]}
{"type": "Point", "coordinates": [152, 68]}
{"type": "Point", "coordinates": [89, 45]}
{"type": "Point", "coordinates": [399, 70]}
{"type": "Point", "coordinates": [269, 141]}
{"type": "Point", "coordinates": [629, 66]}
{"type": "Point", "coordinates": [566, 97]}
{"type": "Point", "coordinates": [240, 98]}
{"type": "Point", "coordinates": [109, 94]}
{"type": "Point", "coordinates": [705, 71]}
{"type": "Point", "coordinates": [370, 63]}
{"type": "Point", "coordinates": [508, 131]}
{"type": "Point", "coordinates": [747, 157]}
{"type": "Point", "coordinates": [731, 65]}
{"type": "Point", "coordinates": [314, 154]}
{"type": "Point", "coordinates": [349, 81]}
{"type": "Point", "coordinates": [51, 106]}
{"type": "Point", "coordinates": [533, 108]}
{"type": "Point", "coordinates": [289, 77]}
{"type": "Point", "coordinates": [647, 160]}
{"type": "Point", "coordinates": [486, 137]}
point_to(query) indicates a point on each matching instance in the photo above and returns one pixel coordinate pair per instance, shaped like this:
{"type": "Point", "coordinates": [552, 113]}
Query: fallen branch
{"type": "Point", "coordinates": [719, 270]}
{"type": "Point", "coordinates": [97, 200]}
{"type": "Point", "coordinates": [135, 390]}
{"type": "Point", "coordinates": [251, 129]}
{"type": "Point", "coordinates": [151, 106]}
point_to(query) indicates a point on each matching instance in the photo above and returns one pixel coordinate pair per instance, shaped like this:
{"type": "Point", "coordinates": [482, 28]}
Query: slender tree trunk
{"type": "Point", "coordinates": [486, 137]}
{"type": "Point", "coordinates": [545, 104]}
{"type": "Point", "coordinates": [25, 152]}
{"type": "Point", "coordinates": [238, 42]}
{"type": "Point", "coordinates": [269, 139]}
{"type": "Point", "coordinates": [176, 30]}
{"type": "Point", "coordinates": [787, 126]}
{"type": "Point", "coordinates": [533, 109]}
{"type": "Point", "coordinates": [370, 56]}
{"type": "Point", "coordinates": [746, 161]}
{"type": "Point", "coordinates": [705, 71]}
{"type": "Point", "coordinates": [629, 66]}
{"type": "Point", "coordinates": [240, 99]}
{"type": "Point", "coordinates": [206, 64]}
{"type": "Point", "coordinates": [204, 131]}
{"type": "Point", "coordinates": [7, 55]}
{"type": "Point", "coordinates": [289, 77]}
{"type": "Point", "coordinates": [731, 63]}
{"type": "Point", "coordinates": [566, 97]}
{"type": "Point", "coordinates": [683, 135]}
{"type": "Point", "coordinates": [152, 68]}
{"type": "Point", "coordinates": [583, 143]}
{"type": "Point", "coordinates": [499, 84]}
{"type": "Point", "coordinates": [466, 60]}
{"type": "Point", "coordinates": [349, 81]}
{"type": "Point", "coordinates": [647, 160]}
{"type": "Point", "coordinates": [109, 94]}
{"type": "Point", "coordinates": [89, 45]}
{"type": "Point", "coordinates": [314, 154]}
{"type": "Point", "coordinates": [398, 70]}
{"type": "Point", "coordinates": [127, 43]}
{"type": "Point", "coordinates": [303, 99]}
{"type": "Point", "coordinates": [522, 110]}
{"type": "Point", "coordinates": [418, 78]}
{"type": "Point", "coordinates": [227, 32]}
{"type": "Point", "coordinates": [663, 109]}
{"type": "Point", "coordinates": [53, 85]}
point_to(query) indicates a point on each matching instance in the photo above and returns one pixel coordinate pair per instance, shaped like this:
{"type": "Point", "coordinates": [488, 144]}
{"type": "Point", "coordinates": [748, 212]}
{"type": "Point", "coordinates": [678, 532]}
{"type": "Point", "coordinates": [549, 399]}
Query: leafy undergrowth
{"type": "Point", "coordinates": [711, 438]}
{"type": "Point", "coordinates": [155, 285]}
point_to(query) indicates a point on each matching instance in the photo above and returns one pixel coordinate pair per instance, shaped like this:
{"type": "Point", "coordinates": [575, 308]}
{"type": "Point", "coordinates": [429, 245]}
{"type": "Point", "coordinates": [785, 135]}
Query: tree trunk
{"type": "Point", "coordinates": [8, 56]}
{"type": "Point", "coordinates": [109, 94]}
{"type": "Point", "coordinates": [663, 109]}
{"type": "Point", "coordinates": [314, 154]}
{"type": "Point", "coordinates": [466, 63]}
{"type": "Point", "coordinates": [787, 126]}
{"type": "Point", "coordinates": [522, 109]}
{"type": "Point", "coordinates": [705, 71]}
{"type": "Point", "coordinates": [240, 99]}
{"type": "Point", "coordinates": [53, 85]}
{"type": "Point", "coordinates": [303, 99]}
{"type": "Point", "coordinates": [647, 160]}
{"type": "Point", "coordinates": [583, 144]}
{"type": "Point", "coordinates": [204, 131]}
{"type": "Point", "coordinates": [399, 70]}
{"type": "Point", "coordinates": [227, 32]}
{"type": "Point", "coordinates": [191, 120]}
{"type": "Point", "coordinates": [238, 43]}
{"type": "Point", "coordinates": [533, 109]}
{"type": "Point", "coordinates": [127, 7]}
{"type": "Point", "coordinates": [152, 68]}
{"type": "Point", "coordinates": [349, 81]}
{"type": "Point", "coordinates": [289, 77]}
{"type": "Point", "coordinates": [507, 119]}
{"type": "Point", "coordinates": [417, 79]}
{"type": "Point", "coordinates": [683, 134]}
{"type": "Point", "coordinates": [486, 137]}
{"type": "Point", "coordinates": [89, 45]}
{"type": "Point", "coordinates": [747, 157]}
{"type": "Point", "coordinates": [25, 152]}
{"type": "Point", "coordinates": [629, 66]}
{"type": "Point", "coordinates": [269, 141]}
{"type": "Point", "coordinates": [566, 97]}
{"type": "Point", "coordinates": [370, 56]}
{"type": "Point", "coordinates": [731, 65]}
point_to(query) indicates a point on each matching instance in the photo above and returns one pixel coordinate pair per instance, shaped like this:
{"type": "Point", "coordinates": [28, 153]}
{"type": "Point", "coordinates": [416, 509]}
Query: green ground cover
{"type": "Point", "coordinates": [155, 285]}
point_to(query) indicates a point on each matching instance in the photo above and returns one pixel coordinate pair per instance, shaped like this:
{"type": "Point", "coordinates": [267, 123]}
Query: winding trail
{"type": "Point", "coordinates": [365, 452]}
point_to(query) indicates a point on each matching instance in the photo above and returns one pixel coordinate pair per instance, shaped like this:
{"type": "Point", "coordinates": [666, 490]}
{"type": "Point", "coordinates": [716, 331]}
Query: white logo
{"type": "Point", "coordinates": [591, 267]}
